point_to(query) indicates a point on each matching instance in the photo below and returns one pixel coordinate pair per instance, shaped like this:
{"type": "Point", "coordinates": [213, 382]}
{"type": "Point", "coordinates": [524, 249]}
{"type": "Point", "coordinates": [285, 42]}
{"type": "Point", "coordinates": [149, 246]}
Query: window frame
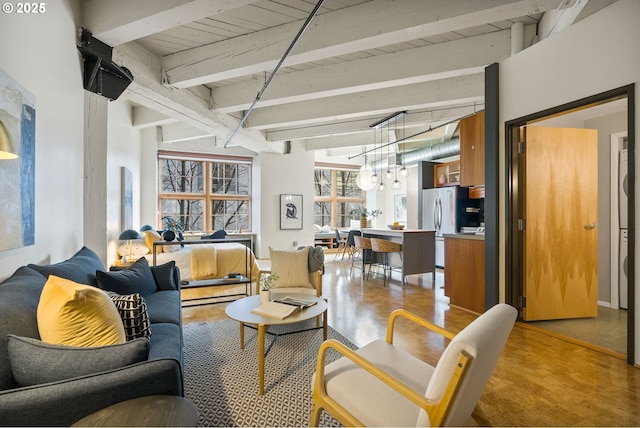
{"type": "Point", "coordinates": [333, 198]}
{"type": "Point", "coordinates": [207, 197]}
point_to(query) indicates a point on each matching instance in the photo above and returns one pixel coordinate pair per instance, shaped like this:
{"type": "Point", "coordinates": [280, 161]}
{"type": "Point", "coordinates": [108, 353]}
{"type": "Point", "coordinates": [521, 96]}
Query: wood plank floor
{"type": "Point", "coordinates": [539, 380]}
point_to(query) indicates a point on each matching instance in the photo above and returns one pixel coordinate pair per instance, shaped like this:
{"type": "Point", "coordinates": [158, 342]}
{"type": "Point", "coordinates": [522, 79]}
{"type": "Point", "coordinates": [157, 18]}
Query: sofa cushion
{"type": "Point", "coordinates": [34, 362]}
{"type": "Point", "coordinates": [77, 315]}
{"type": "Point", "coordinates": [137, 278]}
{"type": "Point", "coordinates": [166, 342]}
{"type": "Point", "coordinates": [133, 312]}
{"type": "Point", "coordinates": [164, 307]}
{"type": "Point", "coordinates": [80, 268]}
{"type": "Point", "coordinates": [19, 296]}
{"type": "Point", "coordinates": [291, 267]}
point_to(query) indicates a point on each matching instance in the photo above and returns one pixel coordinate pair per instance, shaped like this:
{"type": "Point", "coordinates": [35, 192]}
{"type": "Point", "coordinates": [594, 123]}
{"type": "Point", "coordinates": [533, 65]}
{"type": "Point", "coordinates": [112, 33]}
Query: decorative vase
{"type": "Point", "coordinates": [363, 222]}
{"type": "Point", "coordinates": [265, 296]}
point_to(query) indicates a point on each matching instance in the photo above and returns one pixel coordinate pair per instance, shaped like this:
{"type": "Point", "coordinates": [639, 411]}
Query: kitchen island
{"type": "Point", "coordinates": [418, 249]}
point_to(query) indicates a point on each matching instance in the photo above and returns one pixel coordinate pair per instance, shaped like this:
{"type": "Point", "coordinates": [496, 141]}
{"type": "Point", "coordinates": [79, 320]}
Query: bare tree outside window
{"type": "Point", "coordinates": [336, 195]}
{"type": "Point", "coordinates": [206, 195]}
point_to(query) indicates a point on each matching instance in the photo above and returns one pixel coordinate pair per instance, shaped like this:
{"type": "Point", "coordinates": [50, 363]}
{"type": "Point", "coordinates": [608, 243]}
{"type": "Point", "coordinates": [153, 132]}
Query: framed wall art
{"type": "Point", "coordinates": [400, 208]}
{"type": "Point", "coordinates": [17, 164]}
{"type": "Point", "coordinates": [290, 212]}
{"type": "Point", "coordinates": [127, 198]}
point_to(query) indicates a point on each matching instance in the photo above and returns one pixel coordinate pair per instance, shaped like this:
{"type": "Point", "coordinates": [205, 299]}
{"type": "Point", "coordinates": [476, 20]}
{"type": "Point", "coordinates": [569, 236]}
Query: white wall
{"type": "Point", "coordinates": [124, 150]}
{"type": "Point", "coordinates": [275, 175]}
{"type": "Point", "coordinates": [592, 56]}
{"type": "Point", "coordinates": [39, 51]}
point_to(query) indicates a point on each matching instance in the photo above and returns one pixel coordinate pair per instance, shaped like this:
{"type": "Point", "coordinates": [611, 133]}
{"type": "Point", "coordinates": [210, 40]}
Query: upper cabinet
{"type": "Point", "coordinates": [472, 150]}
{"type": "Point", "coordinates": [447, 174]}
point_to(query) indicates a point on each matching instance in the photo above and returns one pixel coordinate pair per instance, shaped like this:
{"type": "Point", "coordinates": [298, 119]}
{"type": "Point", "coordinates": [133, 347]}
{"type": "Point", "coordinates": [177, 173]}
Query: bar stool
{"type": "Point", "coordinates": [364, 246]}
{"type": "Point", "coordinates": [385, 247]}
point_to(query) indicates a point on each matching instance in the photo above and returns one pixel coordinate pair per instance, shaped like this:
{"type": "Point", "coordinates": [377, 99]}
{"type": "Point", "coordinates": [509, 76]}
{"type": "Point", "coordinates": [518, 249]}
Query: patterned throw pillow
{"type": "Point", "coordinates": [133, 311]}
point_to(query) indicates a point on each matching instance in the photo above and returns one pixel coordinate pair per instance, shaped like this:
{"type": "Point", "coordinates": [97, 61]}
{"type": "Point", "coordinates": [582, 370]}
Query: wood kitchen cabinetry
{"type": "Point", "coordinates": [464, 271]}
{"type": "Point", "coordinates": [447, 174]}
{"type": "Point", "coordinates": [472, 150]}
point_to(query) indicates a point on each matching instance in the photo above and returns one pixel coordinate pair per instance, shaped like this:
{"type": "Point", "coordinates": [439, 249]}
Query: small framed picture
{"type": "Point", "coordinates": [400, 208]}
{"type": "Point", "coordinates": [290, 211]}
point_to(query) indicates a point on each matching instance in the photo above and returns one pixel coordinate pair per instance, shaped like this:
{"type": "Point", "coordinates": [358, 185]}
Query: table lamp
{"type": "Point", "coordinates": [128, 235]}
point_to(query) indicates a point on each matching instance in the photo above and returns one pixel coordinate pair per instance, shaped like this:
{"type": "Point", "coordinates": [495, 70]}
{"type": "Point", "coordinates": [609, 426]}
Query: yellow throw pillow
{"type": "Point", "coordinates": [77, 315]}
{"type": "Point", "coordinates": [291, 267]}
{"type": "Point", "coordinates": [150, 237]}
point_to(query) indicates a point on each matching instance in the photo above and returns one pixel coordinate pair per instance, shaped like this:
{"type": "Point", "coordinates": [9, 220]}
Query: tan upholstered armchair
{"type": "Point", "coordinates": [382, 385]}
{"type": "Point", "coordinates": [299, 271]}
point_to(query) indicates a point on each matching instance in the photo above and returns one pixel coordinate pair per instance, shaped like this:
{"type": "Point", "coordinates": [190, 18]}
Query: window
{"type": "Point", "coordinates": [206, 193]}
{"type": "Point", "coordinates": [336, 195]}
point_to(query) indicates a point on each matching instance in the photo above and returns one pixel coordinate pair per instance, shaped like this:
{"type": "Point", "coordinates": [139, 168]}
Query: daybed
{"type": "Point", "coordinates": [43, 384]}
{"type": "Point", "coordinates": [215, 261]}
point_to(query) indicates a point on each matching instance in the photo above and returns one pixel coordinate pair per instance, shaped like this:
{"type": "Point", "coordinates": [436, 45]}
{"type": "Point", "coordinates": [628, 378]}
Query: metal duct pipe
{"type": "Point", "coordinates": [437, 151]}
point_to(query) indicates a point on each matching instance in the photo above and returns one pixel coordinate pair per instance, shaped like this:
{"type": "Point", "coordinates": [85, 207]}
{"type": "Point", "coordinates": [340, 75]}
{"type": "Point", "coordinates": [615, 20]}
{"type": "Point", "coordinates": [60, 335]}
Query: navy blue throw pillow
{"type": "Point", "coordinates": [137, 278]}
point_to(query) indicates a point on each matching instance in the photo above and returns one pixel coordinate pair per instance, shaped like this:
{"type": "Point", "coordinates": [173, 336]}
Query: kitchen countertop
{"type": "Point", "coordinates": [472, 236]}
{"type": "Point", "coordinates": [391, 232]}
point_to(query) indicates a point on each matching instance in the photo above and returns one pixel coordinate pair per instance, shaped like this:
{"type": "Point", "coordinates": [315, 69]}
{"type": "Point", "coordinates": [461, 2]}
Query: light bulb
{"type": "Point", "coordinates": [388, 174]}
{"type": "Point", "coordinates": [403, 171]}
{"type": "Point", "coordinates": [395, 184]}
{"type": "Point", "coordinates": [374, 178]}
{"type": "Point", "coordinates": [381, 186]}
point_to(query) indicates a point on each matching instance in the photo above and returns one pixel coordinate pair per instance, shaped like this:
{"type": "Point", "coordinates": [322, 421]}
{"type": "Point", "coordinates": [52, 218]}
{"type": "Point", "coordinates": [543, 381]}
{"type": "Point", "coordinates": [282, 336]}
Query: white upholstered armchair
{"type": "Point", "coordinates": [382, 385]}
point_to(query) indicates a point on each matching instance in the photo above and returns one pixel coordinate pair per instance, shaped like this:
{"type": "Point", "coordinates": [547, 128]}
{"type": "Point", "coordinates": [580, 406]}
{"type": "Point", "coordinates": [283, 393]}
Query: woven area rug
{"type": "Point", "coordinates": [222, 380]}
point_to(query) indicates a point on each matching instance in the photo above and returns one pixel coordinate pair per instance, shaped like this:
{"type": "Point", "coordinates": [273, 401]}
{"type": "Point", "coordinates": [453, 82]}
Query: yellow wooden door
{"type": "Point", "coordinates": [561, 217]}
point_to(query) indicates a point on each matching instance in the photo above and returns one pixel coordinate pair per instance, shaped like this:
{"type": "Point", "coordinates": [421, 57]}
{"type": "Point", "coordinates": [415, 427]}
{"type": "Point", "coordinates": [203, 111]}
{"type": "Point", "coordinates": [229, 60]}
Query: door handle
{"type": "Point", "coordinates": [591, 226]}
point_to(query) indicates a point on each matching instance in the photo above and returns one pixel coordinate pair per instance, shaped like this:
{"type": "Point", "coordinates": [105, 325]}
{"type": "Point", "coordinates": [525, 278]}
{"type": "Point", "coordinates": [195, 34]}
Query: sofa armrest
{"type": "Point", "coordinates": [167, 276]}
{"type": "Point", "coordinates": [67, 401]}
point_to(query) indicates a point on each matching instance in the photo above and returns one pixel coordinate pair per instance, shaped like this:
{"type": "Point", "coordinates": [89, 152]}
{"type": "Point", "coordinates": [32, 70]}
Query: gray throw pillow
{"type": "Point", "coordinates": [133, 311]}
{"type": "Point", "coordinates": [34, 362]}
{"type": "Point", "coordinates": [137, 278]}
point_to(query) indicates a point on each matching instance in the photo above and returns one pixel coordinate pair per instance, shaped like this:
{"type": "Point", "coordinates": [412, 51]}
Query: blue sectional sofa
{"type": "Point", "coordinates": [65, 401]}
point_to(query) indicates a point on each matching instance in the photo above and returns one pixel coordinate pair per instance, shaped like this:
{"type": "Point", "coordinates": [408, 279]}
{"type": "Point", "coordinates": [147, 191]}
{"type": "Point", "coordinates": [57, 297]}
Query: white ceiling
{"type": "Point", "coordinates": [199, 64]}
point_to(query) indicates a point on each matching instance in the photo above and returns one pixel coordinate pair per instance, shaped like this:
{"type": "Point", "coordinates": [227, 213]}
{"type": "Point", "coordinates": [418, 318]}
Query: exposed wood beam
{"type": "Point", "coordinates": [331, 130]}
{"type": "Point", "coordinates": [455, 91]}
{"type": "Point", "coordinates": [143, 117]}
{"type": "Point", "coordinates": [406, 67]}
{"type": "Point", "coordinates": [182, 105]}
{"type": "Point", "coordinates": [178, 132]}
{"type": "Point", "coordinates": [115, 22]}
{"type": "Point", "coordinates": [361, 27]}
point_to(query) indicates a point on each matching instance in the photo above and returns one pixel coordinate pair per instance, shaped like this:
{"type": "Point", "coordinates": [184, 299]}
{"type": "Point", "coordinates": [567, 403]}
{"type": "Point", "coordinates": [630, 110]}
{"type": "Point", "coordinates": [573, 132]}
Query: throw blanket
{"type": "Point", "coordinates": [203, 261]}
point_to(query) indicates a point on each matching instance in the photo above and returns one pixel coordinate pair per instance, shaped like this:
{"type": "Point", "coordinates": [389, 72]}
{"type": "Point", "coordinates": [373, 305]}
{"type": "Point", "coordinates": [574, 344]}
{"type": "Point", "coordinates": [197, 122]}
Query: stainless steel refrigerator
{"type": "Point", "coordinates": [439, 213]}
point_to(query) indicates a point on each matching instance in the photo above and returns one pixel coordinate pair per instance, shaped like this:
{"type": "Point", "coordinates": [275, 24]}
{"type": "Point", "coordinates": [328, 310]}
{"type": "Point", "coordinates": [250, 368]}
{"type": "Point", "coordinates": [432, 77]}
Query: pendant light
{"type": "Point", "coordinates": [403, 171]}
{"type": "Point", "coordinates": [374, 177]}
{"type": "Point", "coordinates": [388, 173]}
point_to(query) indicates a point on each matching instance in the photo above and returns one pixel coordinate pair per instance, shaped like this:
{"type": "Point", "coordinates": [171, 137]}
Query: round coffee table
{"type": "Point", "coordinates": [240, 310]}
{"type": "Point", "coordinates": [149, 411]}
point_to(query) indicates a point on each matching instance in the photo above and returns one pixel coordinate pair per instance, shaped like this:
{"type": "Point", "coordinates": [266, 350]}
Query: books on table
{"type": "Point", "coordinates": [282, 307]}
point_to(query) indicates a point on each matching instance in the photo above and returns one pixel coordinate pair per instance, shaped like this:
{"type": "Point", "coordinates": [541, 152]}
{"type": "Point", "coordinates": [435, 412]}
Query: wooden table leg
{"type": "Point", "coordinates": [241, 335]}
{"type": "Point", "coordinates": [261, 331]}
{"type": "Point", "coordinates": [324, 324]}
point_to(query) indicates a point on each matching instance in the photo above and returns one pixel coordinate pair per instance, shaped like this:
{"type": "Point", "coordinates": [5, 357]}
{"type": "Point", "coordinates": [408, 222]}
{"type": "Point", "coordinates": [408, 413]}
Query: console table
{"type": "Point", "coordinates": [239, 279]}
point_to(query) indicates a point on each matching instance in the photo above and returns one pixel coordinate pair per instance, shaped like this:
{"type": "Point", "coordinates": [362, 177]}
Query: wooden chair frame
{"type": "Point", "coordinates": [437, 411]}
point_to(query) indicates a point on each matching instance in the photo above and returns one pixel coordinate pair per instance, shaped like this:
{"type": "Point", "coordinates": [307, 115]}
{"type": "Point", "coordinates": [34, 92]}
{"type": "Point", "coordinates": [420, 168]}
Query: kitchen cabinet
{"type": "Point", "coordinates": [472, 150]}
{"type": "Point", "coordinates": [447, 174]}
{"type": "Point", "coordinates": [464, 271]}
